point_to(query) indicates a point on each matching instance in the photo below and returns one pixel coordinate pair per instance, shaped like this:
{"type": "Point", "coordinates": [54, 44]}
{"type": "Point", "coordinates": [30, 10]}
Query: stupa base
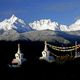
{"type": "Point", "coordinates": [48, 59]}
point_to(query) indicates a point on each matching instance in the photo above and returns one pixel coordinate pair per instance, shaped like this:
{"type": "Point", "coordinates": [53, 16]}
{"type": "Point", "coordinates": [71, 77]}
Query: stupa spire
{"type": "Point", "coordinates": [18, 49]}
{"type": "Point", "coordinates": [45, 47]}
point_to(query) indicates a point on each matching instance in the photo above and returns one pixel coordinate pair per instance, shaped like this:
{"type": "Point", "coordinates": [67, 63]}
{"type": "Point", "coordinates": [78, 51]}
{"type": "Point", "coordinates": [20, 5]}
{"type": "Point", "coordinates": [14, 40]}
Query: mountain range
{"type": "Point", "coordinates": [44, 24]}
{"type": "Point", "coordinates": [14, 28]}
{"type": "Point", "coordinates": [55, 26]}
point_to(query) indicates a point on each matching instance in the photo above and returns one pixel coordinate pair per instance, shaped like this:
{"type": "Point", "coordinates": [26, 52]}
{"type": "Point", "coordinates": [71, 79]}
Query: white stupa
{"type": "Point", "coordinates": [46, 54]}
{"type": "Point", "coordinates": [18, 60]}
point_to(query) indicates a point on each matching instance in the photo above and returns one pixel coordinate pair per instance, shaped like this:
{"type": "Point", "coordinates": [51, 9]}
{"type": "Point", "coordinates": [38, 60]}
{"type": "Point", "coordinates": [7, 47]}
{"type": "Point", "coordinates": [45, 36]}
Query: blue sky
{"type": "Point", "coordinates": [62, 11]}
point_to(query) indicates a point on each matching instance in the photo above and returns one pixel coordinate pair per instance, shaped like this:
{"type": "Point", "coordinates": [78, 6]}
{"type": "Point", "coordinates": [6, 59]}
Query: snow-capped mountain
{"type": "Point", "coordinates": [13, 29]}
{"type": "Point", "coordinates": [14, 23]}
{"type": "Point", "coordinates": [19, 25]}
{"type": "Point", "coordinates": [55, 26]}
{"type": "Point", "coordinates": [75, 26]}
{"type": "Point", "coordinates": [44, 24]}
{"type": "Point", "coordinates": [48, 24]}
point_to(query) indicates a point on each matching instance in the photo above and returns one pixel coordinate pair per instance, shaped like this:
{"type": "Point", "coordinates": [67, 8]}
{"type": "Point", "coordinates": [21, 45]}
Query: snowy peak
{"type": "Point", "coordinates": [44, 24]}
{"type": "Point", "coordinates": [55, 26]}
{"type": "Point", "coordinates": [13, 19]}
{"type": "Point", "coordinates": [75, 26]}
{"type": "Point", "coordinates": [48, 24]}
{"type": "Point", "coordinates": [14, 23]}
{"type": "Point", "coordinates": [77, 22]}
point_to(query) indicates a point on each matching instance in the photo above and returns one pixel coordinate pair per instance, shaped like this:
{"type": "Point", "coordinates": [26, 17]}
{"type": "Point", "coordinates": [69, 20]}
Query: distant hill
{"type": "Point", "coordinates": [45, 35]}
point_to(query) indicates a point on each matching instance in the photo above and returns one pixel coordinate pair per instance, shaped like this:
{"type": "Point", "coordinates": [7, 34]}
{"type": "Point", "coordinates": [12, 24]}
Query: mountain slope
{"type": "Point", "coordinates": [56, 37]}
{"type": "Point", "coordinates": [10, 35]}
{"type": "Point", "coordinates": [52, 36]}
